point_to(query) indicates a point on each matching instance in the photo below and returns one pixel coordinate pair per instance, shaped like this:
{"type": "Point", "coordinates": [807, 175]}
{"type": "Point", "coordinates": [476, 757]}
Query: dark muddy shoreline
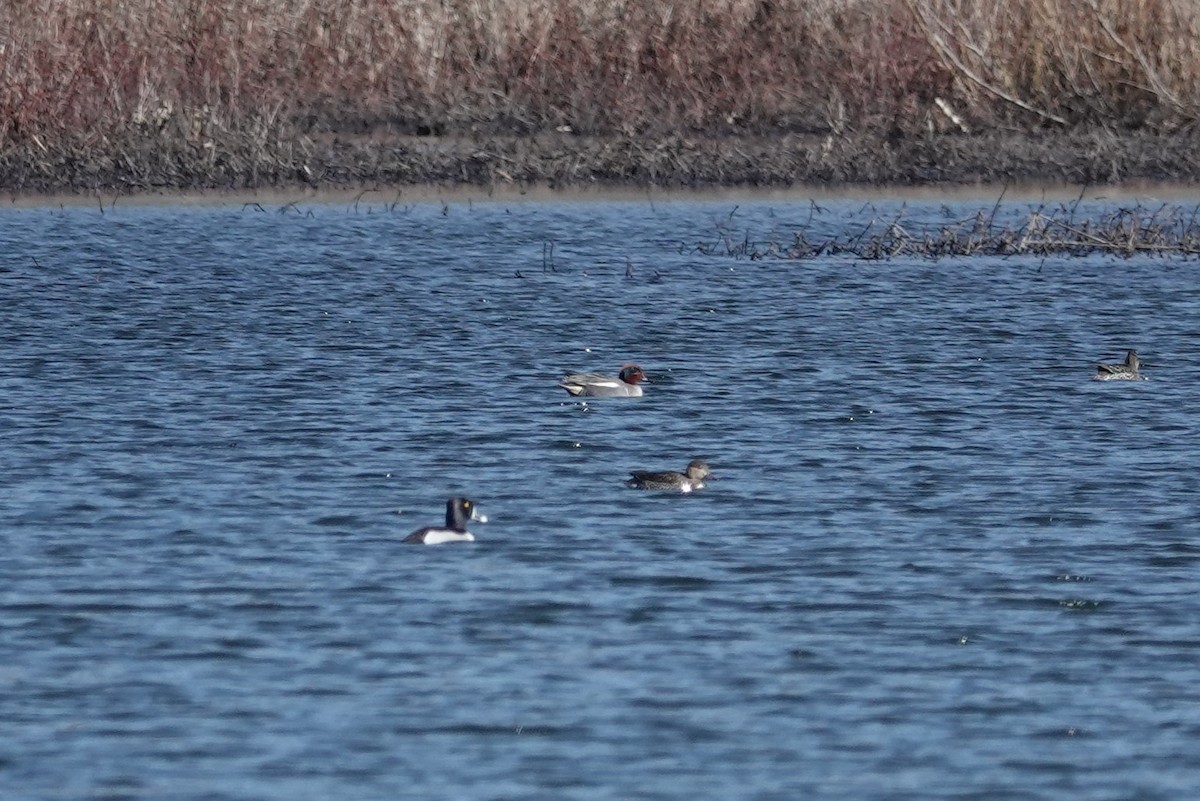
{"type": "Point", "coordinates": [564, 161]}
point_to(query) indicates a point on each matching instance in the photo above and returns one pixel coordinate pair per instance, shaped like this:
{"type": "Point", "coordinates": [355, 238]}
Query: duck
{"type": "Point", "coordinates": [595, 385]}
{"type": "Point", "coordinates": [692, 478]}
{"type": "Point", "coordinates": [1129, 370]}
{"type": "Point", "coordinates": [459, 511]}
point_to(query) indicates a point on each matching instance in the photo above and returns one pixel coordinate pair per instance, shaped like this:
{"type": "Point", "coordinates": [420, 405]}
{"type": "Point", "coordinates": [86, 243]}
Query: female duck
{"type": "Point", "coordinates": [594, 385]}
{"type": "Point", "coordinates": [1129, 370]}
{"type": "Point", "coordinates": [691, 479]}
{"type": "Point", "coordinates": [458, 512]}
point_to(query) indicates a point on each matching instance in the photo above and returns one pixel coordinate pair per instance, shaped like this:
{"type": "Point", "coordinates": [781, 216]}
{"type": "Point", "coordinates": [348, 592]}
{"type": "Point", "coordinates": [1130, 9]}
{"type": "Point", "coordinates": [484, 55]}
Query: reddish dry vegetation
{"type": "Point", "coordinates": [117, 78]}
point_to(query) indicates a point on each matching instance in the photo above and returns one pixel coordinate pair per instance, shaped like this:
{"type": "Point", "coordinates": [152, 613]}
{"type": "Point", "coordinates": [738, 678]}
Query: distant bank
{"type": "Point", "coordinates": [166, 95]}
{"type": "Point", "coordinates": [564, 161]}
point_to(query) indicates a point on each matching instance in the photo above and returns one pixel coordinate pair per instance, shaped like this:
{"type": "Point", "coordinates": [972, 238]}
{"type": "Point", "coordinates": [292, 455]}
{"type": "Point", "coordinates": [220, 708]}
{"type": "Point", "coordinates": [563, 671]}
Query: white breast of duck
{"type": "Point", "coordinates": [438, 536]}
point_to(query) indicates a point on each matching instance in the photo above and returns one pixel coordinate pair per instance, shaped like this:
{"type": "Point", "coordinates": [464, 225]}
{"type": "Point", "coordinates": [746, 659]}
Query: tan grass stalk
{"type": "Point", "coordinates": [201, 71]}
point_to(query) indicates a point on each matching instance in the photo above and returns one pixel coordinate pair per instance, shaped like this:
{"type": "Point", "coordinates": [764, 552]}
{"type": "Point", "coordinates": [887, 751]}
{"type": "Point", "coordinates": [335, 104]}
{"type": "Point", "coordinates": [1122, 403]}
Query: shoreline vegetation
{"type": "Point", "coordinates": [1048, 230]}
{"type": "Point", "coordinates": [143, 96]}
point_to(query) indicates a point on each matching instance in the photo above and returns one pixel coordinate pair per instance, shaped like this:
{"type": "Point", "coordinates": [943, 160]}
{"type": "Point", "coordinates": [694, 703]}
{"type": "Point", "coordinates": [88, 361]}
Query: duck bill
{"type": "Point", "coordinates": [477, 517]}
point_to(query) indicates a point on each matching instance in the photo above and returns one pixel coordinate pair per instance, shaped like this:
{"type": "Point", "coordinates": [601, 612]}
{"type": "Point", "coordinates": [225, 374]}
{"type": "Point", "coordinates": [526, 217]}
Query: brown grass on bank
{"type": "Point", "coordinates": [99, 73]}
{"type": "Point", "coordinates": [1124, 63]}
{"type": "Point", "coordinates": [598, 66]}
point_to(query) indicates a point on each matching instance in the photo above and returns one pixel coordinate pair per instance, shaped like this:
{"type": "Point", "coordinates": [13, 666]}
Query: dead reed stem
{"type": "Point", "coordinates": [196, 69]}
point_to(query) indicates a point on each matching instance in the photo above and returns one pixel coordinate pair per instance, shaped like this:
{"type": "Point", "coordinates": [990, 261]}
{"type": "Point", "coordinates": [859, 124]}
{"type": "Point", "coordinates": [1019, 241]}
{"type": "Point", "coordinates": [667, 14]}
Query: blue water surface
{"type": "Point", "coordinates": [939, 562]}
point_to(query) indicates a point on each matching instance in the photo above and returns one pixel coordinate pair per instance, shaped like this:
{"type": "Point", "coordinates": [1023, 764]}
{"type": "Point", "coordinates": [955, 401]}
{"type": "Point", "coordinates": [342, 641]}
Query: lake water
{"type": "Point", "coordinates": [939, 561]}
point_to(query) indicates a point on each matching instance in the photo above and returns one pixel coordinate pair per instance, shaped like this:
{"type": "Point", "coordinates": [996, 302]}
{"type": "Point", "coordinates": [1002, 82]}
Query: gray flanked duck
{"type": "Point", "coordinates": [1129, 370]}
{"type": "Point", "coordinates": [459, 511]}
{"type": "Point", "coordinates": [595, 385]}
{"type": "Point", "coordinates": [692, 478]}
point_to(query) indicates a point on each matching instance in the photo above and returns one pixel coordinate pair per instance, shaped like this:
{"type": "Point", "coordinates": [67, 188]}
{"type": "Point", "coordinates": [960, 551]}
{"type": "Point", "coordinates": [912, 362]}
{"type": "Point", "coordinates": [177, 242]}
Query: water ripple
{"type": "Point", "coordinates": [937, 563]}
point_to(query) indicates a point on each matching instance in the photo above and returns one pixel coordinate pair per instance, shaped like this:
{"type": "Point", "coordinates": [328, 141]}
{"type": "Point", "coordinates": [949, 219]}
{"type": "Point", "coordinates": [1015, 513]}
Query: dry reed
{"type": "Point", "coordinates": [239, 85]}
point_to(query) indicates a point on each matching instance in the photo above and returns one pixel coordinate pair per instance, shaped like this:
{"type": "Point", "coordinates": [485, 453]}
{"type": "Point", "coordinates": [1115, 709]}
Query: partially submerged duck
{"type": "Point", "coordinates": [1126, 371]}
{"type": "Point", "coordinates": [692, 478]}
{"type": "Point", "coordinates": [459, 511]}
{"type": "Point", "coordinates": [595, 385]}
